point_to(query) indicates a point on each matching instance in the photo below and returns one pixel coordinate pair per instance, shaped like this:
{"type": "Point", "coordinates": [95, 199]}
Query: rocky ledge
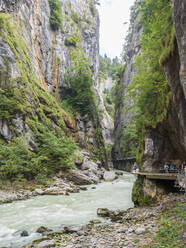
{"type": "Point", "coordinates": [59, 187]}
{"type": "Point", "coordinates": [133, 228]}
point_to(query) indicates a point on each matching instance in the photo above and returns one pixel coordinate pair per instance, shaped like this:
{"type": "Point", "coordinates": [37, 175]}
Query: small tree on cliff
{"type": "Point", "coordinates": [79, 92]}
{"type": "Point", "coordinates": [55, 14]}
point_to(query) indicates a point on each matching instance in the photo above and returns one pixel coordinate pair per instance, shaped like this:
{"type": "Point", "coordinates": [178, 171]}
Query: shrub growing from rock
{"type": "Point", "coordinates": [55, 14]}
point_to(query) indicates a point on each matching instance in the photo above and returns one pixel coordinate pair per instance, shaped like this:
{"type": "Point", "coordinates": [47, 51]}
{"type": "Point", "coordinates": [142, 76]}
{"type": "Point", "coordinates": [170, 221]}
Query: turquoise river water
{"type": "Point", "coordinates": [58, 211]}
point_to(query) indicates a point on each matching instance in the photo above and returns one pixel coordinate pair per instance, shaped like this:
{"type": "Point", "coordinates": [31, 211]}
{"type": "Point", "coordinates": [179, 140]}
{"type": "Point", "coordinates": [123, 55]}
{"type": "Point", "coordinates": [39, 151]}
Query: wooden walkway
{"type": "Point", "coordinates": [132, 159]}
{"type": "Point", "coordinates": [160, 176]}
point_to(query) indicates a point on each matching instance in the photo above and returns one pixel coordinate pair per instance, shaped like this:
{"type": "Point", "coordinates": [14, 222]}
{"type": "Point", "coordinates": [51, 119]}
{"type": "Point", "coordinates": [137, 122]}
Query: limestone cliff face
{"type": "Point", "coordinates": [46, 45]}
{"type": "Point", "coordinates": [122, 117]}
{"type": "Point", "coordinates": [107, 122]}
{"type": "Point", "coordinates": [168, 140]}
{"type": "Point", "coordinates": [49, 55]}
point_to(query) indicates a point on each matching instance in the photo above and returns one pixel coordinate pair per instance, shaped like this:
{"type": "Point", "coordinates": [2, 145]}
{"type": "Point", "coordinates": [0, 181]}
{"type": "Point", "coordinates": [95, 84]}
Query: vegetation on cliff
{"type": "Point", "coordinates": [55, 14]}
{"type": "Point", "coordinates": [149, 89]}
{"type": "Point", "coordinates": [113, 69]}
{"type": "Point", "coordinates": [79, 97]}
{"type": "Point", "coordinates": [41, 145]}
{"type": "Point", "coordinates": [51, 150]}
{"type": "Point", "coordinates": [79, 90]}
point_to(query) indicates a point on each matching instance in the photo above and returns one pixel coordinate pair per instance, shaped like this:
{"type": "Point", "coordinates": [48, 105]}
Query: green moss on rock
{"type": "Point", "coordinates": [138, 196]}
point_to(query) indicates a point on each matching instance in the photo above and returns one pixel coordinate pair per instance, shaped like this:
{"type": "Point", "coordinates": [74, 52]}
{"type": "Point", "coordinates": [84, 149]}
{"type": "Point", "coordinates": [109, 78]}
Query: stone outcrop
{"type": "Point", "coordinates": [87, 171]}
{"type": "Point", "coordinates": [46, 46]}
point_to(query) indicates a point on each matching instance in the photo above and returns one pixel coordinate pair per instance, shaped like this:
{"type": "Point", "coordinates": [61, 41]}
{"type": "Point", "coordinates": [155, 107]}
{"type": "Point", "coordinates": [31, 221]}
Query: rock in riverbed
{"type": "Point", "coordinates": [24, 233]}
{"type": "Point", "coordinates": [103, 212]}
{"type": "Point", "coordinates": [119, 173]}
{"type": "Point", "coordinates": [79, 178]}
{"type": "Point", "coordinates": [83, 188]}
{"type": "Point", "coordinates": [43, 230]}
{"type": "Point", "coordinates": [109, 176]}
{"type": "Point", "coordinates": [39, 191]}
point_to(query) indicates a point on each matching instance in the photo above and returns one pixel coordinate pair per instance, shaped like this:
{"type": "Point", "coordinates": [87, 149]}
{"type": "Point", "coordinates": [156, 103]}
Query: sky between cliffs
{"type": "Point", "coordinates": [113, 28]}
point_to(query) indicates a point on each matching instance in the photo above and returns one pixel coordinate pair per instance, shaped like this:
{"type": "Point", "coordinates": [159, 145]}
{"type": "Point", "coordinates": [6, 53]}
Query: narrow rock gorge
{"type": "Point", "coordinates": [68, 114]}
{"type": "Point", "coordinates": [57, 103]}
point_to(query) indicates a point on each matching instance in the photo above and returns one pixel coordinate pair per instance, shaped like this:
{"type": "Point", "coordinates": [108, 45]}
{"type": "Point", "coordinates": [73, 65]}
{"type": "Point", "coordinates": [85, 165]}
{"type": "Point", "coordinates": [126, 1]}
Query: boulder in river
{"type": "Point", "coordinates": [24, 233]}
{"type": "Point", "coordinates": [119, 173]}
{"type": "Point", "coordinates": [109, 176]}
{"type": "Point", "coordinates": [43, 230]}
{"type": "Point", "coordinates": [103, 212]}
{"type": "Point", "coordinates": [78, 177]}
{"type": "Point", "coordinates": [55, 191]}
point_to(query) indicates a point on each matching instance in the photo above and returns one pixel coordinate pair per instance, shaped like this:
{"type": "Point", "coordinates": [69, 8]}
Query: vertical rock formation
{"type": "Point", "coordinates": [107, 122]}
{"type": "Point", "coordinates": [34, 59]}
{"type": "Point", "coordinates": [49, 55]}
{"type": "Point", "coordinates": [122, 117]}
{"type": "Point", "coordinates": [168, 140]}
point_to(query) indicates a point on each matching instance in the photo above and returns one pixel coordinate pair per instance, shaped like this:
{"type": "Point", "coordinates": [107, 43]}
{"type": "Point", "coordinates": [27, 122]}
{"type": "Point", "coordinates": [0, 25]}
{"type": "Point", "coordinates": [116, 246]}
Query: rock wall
{"type": "Point", "coordinates": [122, 117]}
{"type": "Point", "coordinates": [168, 140]}
{"type": "Point", "coordinates": [46, 45]}
{"type": "Point", "coordinates": [106, 122]}
{"type": "Point", "coordinates": [48, 59]}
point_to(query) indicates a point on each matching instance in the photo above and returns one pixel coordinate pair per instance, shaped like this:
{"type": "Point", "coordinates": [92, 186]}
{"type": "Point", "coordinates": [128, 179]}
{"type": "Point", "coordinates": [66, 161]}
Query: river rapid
{"type": "Point", "coordinates": [55, 212]}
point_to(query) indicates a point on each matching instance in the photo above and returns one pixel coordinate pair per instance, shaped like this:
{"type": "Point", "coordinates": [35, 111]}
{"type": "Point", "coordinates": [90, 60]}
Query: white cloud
{"type": "Point", "coordinates": [113, 15]}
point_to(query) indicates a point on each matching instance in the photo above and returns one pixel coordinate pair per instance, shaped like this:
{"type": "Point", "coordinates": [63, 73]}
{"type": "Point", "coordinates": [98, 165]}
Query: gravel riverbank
{"type": "Point", "coordinates": [133, 228]}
